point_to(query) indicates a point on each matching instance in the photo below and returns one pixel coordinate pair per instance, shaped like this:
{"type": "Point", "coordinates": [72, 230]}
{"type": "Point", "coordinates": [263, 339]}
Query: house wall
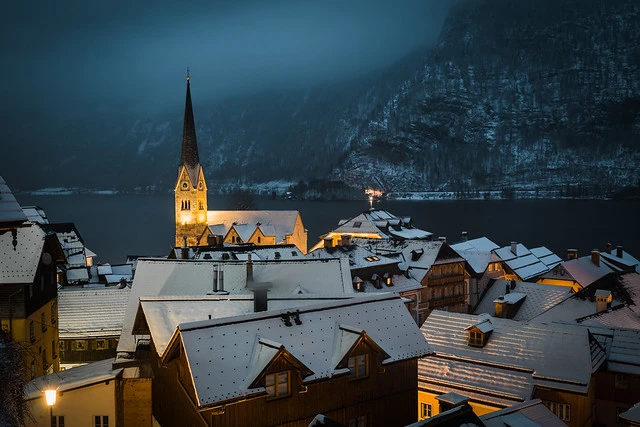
{"type": "Point", "coordinates": [78, 406]}
{"type": "Point", "coordinates": [299, 236]}
{"type": "Point", "coordinates": [71, 354]}
{"type": "Point", "coordinates": [581, 404]}
{"type": "Point", "coordinates": [444, 288]}
{"type": "Point", "coordinates": [613, 396]}
{"type": "Point", "coordinates": [386, 397]}
{"type": "Point", "coordinates": [134, 402]}
{"type": "Point", "coordinates": [41, 354]}
{"type": "Point", "coordinates": [429, 397]}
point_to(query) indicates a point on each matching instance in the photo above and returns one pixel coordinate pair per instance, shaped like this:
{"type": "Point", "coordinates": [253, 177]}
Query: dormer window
{"type": "Point", "coordinates": [358, 366]}
{"type": "Point", "coordinates": [278, 384]}
{"type": "Point", "coordinates": [357, 224]}
{"type": "Point", "coordinates": [478, 333]}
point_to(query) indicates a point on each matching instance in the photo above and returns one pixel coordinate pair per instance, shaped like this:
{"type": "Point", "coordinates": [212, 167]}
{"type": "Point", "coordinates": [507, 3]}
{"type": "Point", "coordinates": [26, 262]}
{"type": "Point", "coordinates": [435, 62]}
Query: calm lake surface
{"type": "Point", "coordinates": [116, 226]}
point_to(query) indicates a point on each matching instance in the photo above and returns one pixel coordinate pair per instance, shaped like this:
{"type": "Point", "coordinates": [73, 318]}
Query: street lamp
{"type": "Point", "coordinates": [50, 395]}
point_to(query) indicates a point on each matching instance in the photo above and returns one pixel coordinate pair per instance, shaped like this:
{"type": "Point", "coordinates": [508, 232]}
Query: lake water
{"type": "Point", "coordinates": [121, 225]}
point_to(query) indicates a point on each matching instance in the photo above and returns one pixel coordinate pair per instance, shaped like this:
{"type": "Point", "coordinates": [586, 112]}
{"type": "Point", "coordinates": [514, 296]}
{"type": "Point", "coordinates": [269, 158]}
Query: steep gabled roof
{"type": "Point", "coordinates": [11, 213]}
{"type": "Point", "coordinates": [283, 222]}
{"type": "Point", "coordinates": [189, 157]}
{"type": "Point", "coordinates": [19, 263]}
{"type": "Point", "coordinates": [312, 341]}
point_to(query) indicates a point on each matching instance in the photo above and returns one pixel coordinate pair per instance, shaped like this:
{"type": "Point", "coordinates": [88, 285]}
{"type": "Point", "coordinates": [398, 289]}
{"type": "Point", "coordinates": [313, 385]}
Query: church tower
{"type": "Point", "coordinates": [191, 188]}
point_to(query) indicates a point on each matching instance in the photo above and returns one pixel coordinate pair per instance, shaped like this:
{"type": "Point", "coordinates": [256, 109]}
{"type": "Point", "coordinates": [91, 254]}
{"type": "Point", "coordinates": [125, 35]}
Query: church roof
{"type": "Point", "coordinates": [283, 222]}
{"type": "Point", "coordinates": [189, 158]}
{"type": "Point", "coordinates": [10, 210]}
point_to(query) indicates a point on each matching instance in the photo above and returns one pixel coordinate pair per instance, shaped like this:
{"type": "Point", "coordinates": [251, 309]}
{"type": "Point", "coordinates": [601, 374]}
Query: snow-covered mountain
{"type": "Point", "coordinates": [541, 94]}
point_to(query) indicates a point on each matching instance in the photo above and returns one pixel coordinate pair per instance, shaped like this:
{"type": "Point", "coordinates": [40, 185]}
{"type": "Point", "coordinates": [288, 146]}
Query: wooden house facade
{"type": "Point", "coordinates": [284, 368]}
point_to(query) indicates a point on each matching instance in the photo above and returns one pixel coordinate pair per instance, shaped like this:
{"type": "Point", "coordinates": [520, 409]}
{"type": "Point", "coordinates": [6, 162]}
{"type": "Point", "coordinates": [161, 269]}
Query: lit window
{"type": "Point", "coordinates": [475, 338]}
{"type": "Point", "coordinates": [358, 366]}
{"type": "Point", "coordinates": [277, 384]}
{"type": "Point", "coordinates": [425, 410]}
{"type": "Point", "coordinates": [102, 344]}
{"type": "Point", "coordinates": [101, 421]}
{"type": "Point", "coordinates": [57, 421]}
{"type": "Point", "coordinates": [79, 345]}
{"type": "Point", "coordinates": [561, 410]}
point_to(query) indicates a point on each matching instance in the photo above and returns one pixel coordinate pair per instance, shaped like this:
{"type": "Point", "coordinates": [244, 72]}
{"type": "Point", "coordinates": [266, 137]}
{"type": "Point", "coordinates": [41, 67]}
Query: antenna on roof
{"type": "Point", "coordinates": [188, 78]}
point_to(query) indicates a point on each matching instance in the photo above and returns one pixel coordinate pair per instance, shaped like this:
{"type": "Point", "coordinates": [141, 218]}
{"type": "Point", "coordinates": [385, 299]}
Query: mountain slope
{"type": "Point", "coordinates": [529, 94]}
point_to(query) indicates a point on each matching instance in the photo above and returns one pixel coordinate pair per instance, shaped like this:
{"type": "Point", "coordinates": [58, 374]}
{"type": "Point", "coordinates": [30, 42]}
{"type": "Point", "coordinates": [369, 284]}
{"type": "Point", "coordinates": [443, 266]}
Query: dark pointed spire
{"type": "Point", "coordinates": [189, 157]}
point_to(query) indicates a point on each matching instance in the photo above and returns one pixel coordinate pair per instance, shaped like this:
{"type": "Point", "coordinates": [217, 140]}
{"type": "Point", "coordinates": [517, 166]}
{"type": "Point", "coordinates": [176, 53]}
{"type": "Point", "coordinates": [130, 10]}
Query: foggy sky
{"type": "Point", "coordinates": [74, 55]}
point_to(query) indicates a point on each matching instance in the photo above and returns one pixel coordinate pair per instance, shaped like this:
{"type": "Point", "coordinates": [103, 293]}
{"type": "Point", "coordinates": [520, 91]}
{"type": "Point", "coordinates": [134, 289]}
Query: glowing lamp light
{"type": "Point", "coordinates": [50, 395]}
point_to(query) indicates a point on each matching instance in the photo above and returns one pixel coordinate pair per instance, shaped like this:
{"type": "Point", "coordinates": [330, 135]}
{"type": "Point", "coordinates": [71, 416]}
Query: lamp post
{"type": "Point", "coordinates": [50, 395]}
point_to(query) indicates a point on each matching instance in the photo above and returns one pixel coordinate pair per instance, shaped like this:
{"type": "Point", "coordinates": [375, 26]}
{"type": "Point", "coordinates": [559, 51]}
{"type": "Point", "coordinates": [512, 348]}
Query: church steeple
{"type": "Point", "coordinates": [191, 188]}
{"type": "Point", "coordinates": [189, 157]}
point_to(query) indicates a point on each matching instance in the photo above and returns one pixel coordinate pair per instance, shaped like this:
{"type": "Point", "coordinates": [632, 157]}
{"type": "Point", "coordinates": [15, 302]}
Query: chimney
{"type": "Point", "coordinates": [259, 299]}
{"type": "Point", "coordinates": [465, 237]}
{"type": "Point", "coordinates": [507, 288]}
{"type": "Point", "coordinates": [328, 242]}
{"type": "Point", "coordinates": [595, 257]}
{"type": "Point", "coordinates": [500, 306]}
{"type": "Point", "coordinates": [442, 239]}
{"type": "Point", "coordinates": [215, 278]}
{"type": "Point", "coordinates": [513, 284]}
{"type": "Point", "coordinates": [603, 300]}
{"type": "Point", "coordinates": [619, 251]}
{"type": "Point", "coordinates": [184, 253]}
{"type": "Point", "coordinates": [249, 269]}
{"type": "Point", "coordinates": [514, 248]}
{"type": "Point", "coordinates": [572, 254]}
{"type": "Point", "coordinates": [607, 247]}
{"type": "Point", "coordinates": [184, 241]}
{"type": "Point", "coordinates": [345, 239]}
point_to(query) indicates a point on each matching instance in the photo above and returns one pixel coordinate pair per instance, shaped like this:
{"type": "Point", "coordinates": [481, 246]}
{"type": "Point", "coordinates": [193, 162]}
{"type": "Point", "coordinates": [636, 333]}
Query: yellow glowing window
{"type": "Point", "coordinates": [277, 384]}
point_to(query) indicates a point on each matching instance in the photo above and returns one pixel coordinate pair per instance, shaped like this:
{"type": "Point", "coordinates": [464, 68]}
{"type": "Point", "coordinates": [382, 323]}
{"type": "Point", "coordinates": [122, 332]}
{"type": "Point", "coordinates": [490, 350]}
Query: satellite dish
{"type": "Point", "coordinates": [47, 259]}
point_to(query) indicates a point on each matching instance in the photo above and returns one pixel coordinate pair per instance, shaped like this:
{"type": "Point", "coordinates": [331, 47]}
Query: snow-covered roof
{"type": "Point", "coordinates": [283, 222]}
{"type": "Point", "coordinates": [238, 342]}
{"type": "Point", "coordinates": [418, 255]}
{"type": "Point", "coordinates": [259, 252]}
{"type": "Point", "coordinates": [632, 415]}
{"type": "Point", "coordinates": [582, 270]}
{"type": "Point", "coordinates": [547, 257]}
{"type": "Point", "coordinates": [531, 413]}
{"type": "Point", "coordinates": [156, 277]}
{"type": "Point", "coordinates": [77, 274]}
{"type": "Point", "coordinates": [522, 261]}
{"type": "Point", "coordinates": [550, 355]}
{"type": "Point", "coordinates": [91, 313]}
{"type": "Point", "coordinates": [622, 347]}
{"type": "Point", "coordinates": [359, 257]}
{"type": "Point", "coordinates": [539, 298]}
{"type": "Point", "coordinates": [614, 261]}
{"type": "Point", "coordinates": [382, 223]}
{"type": "Point", "coordinates": [164, 314]}
{"type": "Point", "coordinates": [72, 378]}
{"type": "Point", "coordinates": [10, 210]}
{"type": "Point", "coordinates": [19, 264]}
{"type": "Point", "coordinates": [477, 252]}
{"type": "Point", "coordinates": [35, 214]}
